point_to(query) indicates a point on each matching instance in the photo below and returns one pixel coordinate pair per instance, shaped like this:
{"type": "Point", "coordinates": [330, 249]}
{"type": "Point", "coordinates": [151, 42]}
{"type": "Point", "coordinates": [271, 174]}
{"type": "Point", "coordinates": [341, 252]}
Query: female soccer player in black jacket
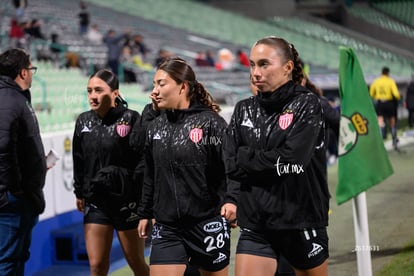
{"type": "Point", "coordinates": [104, 163]}
{"type": "Point", "coordinates": [275, 149]}
{"type": "Point", "coordinates": [185, 189]}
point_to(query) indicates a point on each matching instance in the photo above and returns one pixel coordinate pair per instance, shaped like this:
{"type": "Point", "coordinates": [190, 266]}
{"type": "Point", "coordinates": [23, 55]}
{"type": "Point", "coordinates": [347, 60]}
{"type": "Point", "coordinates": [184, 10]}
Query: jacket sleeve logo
{"type": "Point", "coordinates": [196, 134]}
{"type": "Point", "coordinates": [285, 120]}
{"type": "Point", "coordinates": [123, 129]}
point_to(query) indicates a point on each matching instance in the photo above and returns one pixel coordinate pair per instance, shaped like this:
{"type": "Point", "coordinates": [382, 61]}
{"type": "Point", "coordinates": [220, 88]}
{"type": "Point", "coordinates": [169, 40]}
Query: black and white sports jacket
{"type": "Point", "coordinates": [274, 148]}
{"type": "Point", "coordinates": [101, 143]}
{"type": "Point", "coordinates": [184, 179]}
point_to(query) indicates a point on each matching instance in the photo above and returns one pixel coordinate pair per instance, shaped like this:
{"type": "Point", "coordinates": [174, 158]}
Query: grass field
{"type": "Point", "coordinates": [402, 264]}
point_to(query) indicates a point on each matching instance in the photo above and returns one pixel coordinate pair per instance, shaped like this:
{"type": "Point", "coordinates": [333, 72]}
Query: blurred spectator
{"type": "Point", "coordinates": [16, 34]}
{"type": "Point", "coordinates": [138, 47]}
{"type": "Point", "coordinates": [210, 58]}
{"type": "Point", "coordinates": [204, 59]}
{"type": "Point", "coordinates": [133, 63]}
{"type": "Point", "coordinates": [225, 60]}
{"type": "Point", "coordinates": [20, 9]}
{"type": "Point", "coordinates": [409, 103]}
{"type": "Point", "coordinates": [83, 18]}
{"type": "Point", "coordinates": [126, 59]}
{"type": "Point", "coordinates": [200, 59]}
{"type": "Point", "coordinates": [162, 54]}
{"type": "Point", "coordinates": [55, 45]}
{"type": "Point", "coordinates": [34, 29]}
{"type": "Point", "coordinates": [243, 58]}
{"type": "Point", "coordinates": [94, 35]}
{"type": "Point", "coordinates": [115, 43]}
{"type": "Point", "coordinates": [61, 55]}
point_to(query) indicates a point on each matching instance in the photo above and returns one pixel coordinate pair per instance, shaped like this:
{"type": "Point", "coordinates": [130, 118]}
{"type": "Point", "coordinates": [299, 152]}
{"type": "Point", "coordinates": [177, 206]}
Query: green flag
{"type": "Point", "coordinates": [363, 161]}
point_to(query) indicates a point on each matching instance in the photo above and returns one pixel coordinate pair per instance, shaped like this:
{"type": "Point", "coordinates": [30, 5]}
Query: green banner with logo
{"type": "Point", "coordinates": [363, 161]}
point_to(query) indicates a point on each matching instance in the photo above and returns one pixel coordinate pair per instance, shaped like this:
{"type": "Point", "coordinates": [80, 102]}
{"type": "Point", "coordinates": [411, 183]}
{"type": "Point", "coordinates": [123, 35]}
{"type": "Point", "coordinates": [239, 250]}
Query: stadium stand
{"type": "Point", "coordinates": [384, 19]}
{"type": "Point", "coordinates": [59, 96]}
{"type": "Point", "coordinates": [174, 26]}
{"type": "Point", "coordinates": [58, 17]}
{"type": "Point", "coordinates": [402, 10]}
{"type": "Point", "coordinates": [318, 49]}
{"type": "Point", "coordinates": [322, 33]}
{"type": "Point", "coordinates": [184, 28]}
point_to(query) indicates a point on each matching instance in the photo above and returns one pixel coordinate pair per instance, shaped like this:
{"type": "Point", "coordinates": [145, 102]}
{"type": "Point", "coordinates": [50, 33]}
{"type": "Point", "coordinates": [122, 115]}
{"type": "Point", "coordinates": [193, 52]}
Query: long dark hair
{"type": "Point", "coordinates": [113, 82]}
{"type": "Point", "coordinates": [180, 71]}
{"type": "Point", "coordinates": [313, 87]}
{"type": "Point", "coordinates": [287, 51]}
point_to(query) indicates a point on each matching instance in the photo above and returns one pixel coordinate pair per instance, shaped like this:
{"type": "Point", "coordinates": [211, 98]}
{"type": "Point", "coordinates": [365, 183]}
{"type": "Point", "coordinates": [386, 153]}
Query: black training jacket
{"type": "Point", "coordinates": [102, 142]}
{"type": "Point", "coordinates": [22, 157]}
{"type": "Point", "coordinates": [184, 179]}
{"type": "Point", "coordinates": [274, 147]}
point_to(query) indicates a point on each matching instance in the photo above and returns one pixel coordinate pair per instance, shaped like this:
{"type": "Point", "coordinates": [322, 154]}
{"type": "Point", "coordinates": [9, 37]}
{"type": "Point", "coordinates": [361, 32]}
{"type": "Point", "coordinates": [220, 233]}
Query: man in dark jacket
{"type": "Point", "coordinates": [22, 162]}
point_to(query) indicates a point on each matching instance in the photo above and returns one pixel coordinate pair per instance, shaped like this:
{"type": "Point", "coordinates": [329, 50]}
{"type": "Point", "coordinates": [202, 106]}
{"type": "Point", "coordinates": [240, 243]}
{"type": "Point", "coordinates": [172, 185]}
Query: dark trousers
{"type": "Point", "coordinates": [17, 219]}
{"type": "Point", "coordinates": [114, 66]}
{"type": "Point", "coordinates": [411, 118]}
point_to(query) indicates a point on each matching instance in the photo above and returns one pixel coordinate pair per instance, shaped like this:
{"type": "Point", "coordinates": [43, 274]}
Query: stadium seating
{"type": "Point", "coordinates": [402, 10]}
{"type": "Point", "coordinates": [384, 20]}
{"type": "Point", "coordinates": [231, 27]}
{"type": "Point", "coordinates": [329, 40]}
{"type": "Point", "coordinates": [183, 27]}
{"type": "Point", "coordinates": [59, 96]}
